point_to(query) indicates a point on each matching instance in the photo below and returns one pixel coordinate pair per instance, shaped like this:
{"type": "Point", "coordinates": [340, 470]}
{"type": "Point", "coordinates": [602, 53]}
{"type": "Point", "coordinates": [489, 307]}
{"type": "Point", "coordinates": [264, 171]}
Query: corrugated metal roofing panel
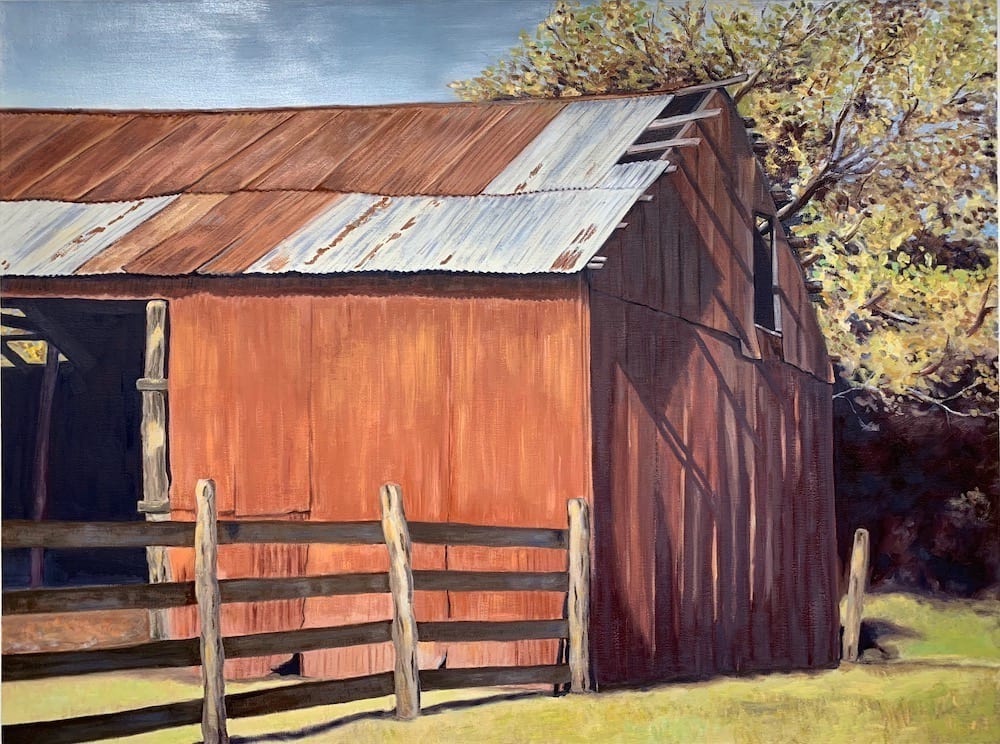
{"type": "Point", "coordinates": [579, 146]}
{"type": "Point", "coordinates": [179, 214]}
{"type": "Point", "coordinates": [55, 238]}
{"type": "Point", "coordinates": [186, 154]}
{"type": "Point", "coordinates": [104, 159]}
{"type": "Point", "coordinates": [211, 234]}
{"type": "Point", "coordinates": [542, 232]}
{"type": "Point", "coordinates": [273, 148]}
{"type": "Point", "coordinates": [311, 162]}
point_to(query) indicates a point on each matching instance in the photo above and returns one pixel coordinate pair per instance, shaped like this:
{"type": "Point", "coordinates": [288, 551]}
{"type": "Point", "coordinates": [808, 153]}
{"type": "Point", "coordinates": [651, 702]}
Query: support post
{"type": "Point", "coordinates": [578, 598]}
{"type": "Point", "coordinates": [404, 623]}
{"type": "Point", "coordinates": [43, 437]}
{"type": "Point", "coordinates": [206, 588]}
{"type": "Point", "coordinates": [850, 648]}
{"type": "Point", "coordinates": [155, 502]}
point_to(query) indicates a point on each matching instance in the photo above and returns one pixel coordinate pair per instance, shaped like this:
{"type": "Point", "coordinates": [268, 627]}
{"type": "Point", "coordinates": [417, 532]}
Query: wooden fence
{"type": "Point", "coordinates": [208, 593]}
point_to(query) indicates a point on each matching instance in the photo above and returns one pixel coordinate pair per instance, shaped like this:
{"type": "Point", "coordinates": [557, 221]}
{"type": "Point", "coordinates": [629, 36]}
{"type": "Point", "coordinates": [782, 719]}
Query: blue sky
{"type": "Point", "coordinates": [246, 53]}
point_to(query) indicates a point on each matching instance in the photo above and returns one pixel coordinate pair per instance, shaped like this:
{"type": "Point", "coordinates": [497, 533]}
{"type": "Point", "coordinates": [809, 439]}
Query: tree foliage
{"type": "Point", "coordinates": [881, 120]}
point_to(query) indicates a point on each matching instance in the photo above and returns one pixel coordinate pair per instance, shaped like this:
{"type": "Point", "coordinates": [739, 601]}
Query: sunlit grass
{"type": "Point", "coordinates": [944, 687]}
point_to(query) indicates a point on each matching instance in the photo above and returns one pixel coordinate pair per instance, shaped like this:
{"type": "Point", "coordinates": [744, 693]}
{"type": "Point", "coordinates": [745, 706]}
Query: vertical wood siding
{"type": "Point", "coordinates": [712, 439]}
{"type": "Point", "coordinates": [302, 406]}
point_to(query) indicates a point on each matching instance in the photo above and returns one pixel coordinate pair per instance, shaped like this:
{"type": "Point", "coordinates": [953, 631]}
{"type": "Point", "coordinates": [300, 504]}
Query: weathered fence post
{"type": "Point", "coordinates": [155, 502]}
{"type": "Point", "coordinates": [404, 623]}
{"type": "Point", "coordinates": [578, 604]}
{"type": "Point", "coordinates": [206, 589]}
{"type": "Point", "coordinates": [850, 648]}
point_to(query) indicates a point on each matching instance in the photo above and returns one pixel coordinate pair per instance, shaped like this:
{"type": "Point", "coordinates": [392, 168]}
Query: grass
{"type": "Point", "coordinates": [943, 687]}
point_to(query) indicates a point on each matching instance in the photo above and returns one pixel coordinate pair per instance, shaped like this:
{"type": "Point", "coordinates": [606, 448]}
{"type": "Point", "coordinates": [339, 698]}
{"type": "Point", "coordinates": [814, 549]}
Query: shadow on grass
{"type": "Point", "coordinates": [380, 715]}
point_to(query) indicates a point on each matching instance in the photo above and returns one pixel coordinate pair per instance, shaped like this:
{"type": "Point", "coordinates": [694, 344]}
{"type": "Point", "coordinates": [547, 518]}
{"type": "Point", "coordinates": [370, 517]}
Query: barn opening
{"type": "Point", "coordinates": [90, 460]}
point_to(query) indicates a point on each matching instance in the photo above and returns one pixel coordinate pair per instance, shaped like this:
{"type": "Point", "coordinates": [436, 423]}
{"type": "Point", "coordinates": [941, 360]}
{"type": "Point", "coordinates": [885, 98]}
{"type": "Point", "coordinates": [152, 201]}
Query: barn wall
{"type": "Point", "coordinates": [712, 438]}
{"type": "Point", "coordinates": [689, 251]}
{"type": "Point", "coordinates": [301, 406]}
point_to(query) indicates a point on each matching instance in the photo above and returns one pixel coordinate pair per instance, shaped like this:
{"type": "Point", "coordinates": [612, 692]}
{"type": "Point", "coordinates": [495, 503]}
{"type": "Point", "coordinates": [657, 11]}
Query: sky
{"type": "Point", "coordinates": [248, 53]}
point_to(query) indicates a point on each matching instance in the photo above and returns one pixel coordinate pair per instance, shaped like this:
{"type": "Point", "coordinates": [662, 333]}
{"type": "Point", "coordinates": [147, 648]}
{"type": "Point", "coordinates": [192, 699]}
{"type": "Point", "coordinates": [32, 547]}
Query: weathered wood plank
{"type": "Point", "coordinates": [672, 121]}
{"type": "Point", "coordinates": [404, 622]}
{"type": "Point", "coordinates": [88, 598]}
{"type": "Point", "coordinates": [433, 533]}
{"type": "Point", "coordinates": [485, 630]}
{"type": "Point", "coordinates": [61, 534]}
{"type": "Point", "coordinates": [851, 646]}
{"type": "Point", "coordinates": [578, 596]}
{"type": "Point", "coordinates": [450, 679]}
{"type": "Point", "coordinates": [179, 594]}
{"type": "Point", "coordinates": [18, 533]}
{"type": "Point", "coordinates": [43, 436]}
{"type": "Point", "coordinates": [309, 694]}
{"type": "Point", "coordinates": [491, 581]}
{"type": "Point", "coordinates": [153, 433]}
{"type": "Point", "coordinates": [206, 589]}
{"type": "Point", "coordinates": [663, 145]}
{"type": "Point", "coordinates": [185, 652]}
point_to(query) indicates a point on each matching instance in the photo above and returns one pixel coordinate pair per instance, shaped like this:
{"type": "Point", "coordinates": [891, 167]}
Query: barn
{"type": "Point", "coordinates": [499, 306]}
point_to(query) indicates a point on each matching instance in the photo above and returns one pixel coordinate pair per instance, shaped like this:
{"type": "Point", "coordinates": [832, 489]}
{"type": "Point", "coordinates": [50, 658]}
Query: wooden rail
{"type": "Point", "coordinates": [208, 593]}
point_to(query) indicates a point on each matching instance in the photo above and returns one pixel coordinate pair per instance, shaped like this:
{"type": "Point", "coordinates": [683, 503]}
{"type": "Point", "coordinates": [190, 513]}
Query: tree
{"type": "Point", "coordinates": [881, 118]}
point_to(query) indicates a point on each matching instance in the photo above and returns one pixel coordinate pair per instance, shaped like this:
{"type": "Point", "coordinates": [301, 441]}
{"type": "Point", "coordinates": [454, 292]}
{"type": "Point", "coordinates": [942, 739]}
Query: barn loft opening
{"type": "Point", "coordinates": [70, 367]}
{"type": "Point", "coordinates": [765, 307]}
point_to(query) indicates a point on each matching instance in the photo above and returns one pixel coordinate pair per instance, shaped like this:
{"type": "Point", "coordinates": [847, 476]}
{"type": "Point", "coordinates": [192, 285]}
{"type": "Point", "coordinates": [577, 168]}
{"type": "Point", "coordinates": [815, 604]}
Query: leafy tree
{"type": "Point", "coordinates": [881, 118]}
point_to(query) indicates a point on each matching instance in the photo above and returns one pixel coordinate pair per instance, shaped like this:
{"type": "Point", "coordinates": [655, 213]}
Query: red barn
{"type": "Point", "coordinates": [499, 306]}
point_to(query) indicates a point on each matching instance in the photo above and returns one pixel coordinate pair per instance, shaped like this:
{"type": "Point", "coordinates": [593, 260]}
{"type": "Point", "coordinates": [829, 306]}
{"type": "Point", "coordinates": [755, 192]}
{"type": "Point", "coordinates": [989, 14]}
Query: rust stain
{"type": "Point", "coordinates": [450, 256]}
{"type": "Point", "coordinates": [585, 234]}
{"type": "Point", "coordinates": [566, 259]}
{"type": "Point", "coordinates": [351, 227]}
{"type": "Point", "coordinates": [535, 171]}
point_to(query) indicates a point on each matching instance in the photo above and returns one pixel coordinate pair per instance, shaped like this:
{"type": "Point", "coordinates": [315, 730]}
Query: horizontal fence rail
{"type": "Point", "coordinates": [180, 594]}
{"type": "Point", "coordinates": [403, 631]}
{"type": "Point", "coordinates": [19, 533]}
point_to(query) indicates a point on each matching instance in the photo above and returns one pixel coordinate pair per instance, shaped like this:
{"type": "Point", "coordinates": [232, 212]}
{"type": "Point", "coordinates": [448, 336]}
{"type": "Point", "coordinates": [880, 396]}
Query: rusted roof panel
{"type": "Point", "coordinates": [555, 231]}
{"type": "Point", "coordinates": [312, 161]}
{"type": "Point", "coordinates": [186, 154]}
{"type": "Point", "coordinates": [105, 158]}
{"type": "Point", "coordinates": [254, 161]}
{"type": "Point", "coordinates": [208, 236]}
{"type": "Point", "coordinates": [56, 238]}
{"type": "Point", "coordinates": [579, 146]}
{"type": "Point", "coordinates": [19, 133]}
{"type": "Point", "coordinates": [77, 135]}
{"type": "Point", "coordinates": [183, 211]}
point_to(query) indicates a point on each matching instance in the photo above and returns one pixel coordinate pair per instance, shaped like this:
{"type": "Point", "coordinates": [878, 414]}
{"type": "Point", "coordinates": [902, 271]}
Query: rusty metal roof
{"type": "Point", "coordinates": [506, 187]}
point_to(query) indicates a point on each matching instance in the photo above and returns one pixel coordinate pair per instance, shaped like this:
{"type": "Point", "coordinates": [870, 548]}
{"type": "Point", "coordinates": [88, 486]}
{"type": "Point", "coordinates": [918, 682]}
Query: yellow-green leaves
{"type": "Point", "coordinates": [881, 117]}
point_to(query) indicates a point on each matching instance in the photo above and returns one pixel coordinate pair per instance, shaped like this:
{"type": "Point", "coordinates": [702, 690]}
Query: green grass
{"type": "Point", "coordinates": [944, 687]}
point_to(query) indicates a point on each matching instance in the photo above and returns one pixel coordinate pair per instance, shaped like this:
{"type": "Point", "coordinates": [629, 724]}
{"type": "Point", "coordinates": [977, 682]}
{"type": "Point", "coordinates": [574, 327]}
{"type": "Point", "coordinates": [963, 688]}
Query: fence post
{"type": "Point", "coordinates": [850, 648]}
{"type": "Point", "coordinates": [404, 623]}
{"type": "Point", "coordinates": [578, 604]}
{"type": "Point", "coordinates": [206, 588]}
{"type": "Point", "coordinates": [155, 502]}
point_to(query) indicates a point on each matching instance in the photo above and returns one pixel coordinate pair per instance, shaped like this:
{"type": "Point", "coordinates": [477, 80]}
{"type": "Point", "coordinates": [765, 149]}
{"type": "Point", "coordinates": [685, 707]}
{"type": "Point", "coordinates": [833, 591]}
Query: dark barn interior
{"type": "Point", "coordinates": [94, 463]}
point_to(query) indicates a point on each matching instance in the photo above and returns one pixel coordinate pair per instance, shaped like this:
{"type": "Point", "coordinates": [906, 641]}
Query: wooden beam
{"type": "Point", "coordinates": [206, 590]}
{"type": "Point", "coordinates": [645, 198]}
{"type": "Point", "coordinates": [713, 85]}
{"type": "Point", "coordinates": [453, 631]}
{"type": "Point", "coordinates": [40, 472]}
{"type": "Point", "coordinates": [155, 504]}
{"type": "Point", "coordinates": [663, 145]}
{"type": "Point", "coordinates": [672, 121]}
{"type": "Point", "coordinates": [180, 594]}
{"type": "Point", "coordinates": [433, 533]}
{"type": "Point", "coordinates": [490, 581]}
{"type": "Point", "coordinates": [578, 595]}
{"type": "Point", "coordinates": [451, 679]}
{"type": "Point", "coordinates": [406, 679]}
